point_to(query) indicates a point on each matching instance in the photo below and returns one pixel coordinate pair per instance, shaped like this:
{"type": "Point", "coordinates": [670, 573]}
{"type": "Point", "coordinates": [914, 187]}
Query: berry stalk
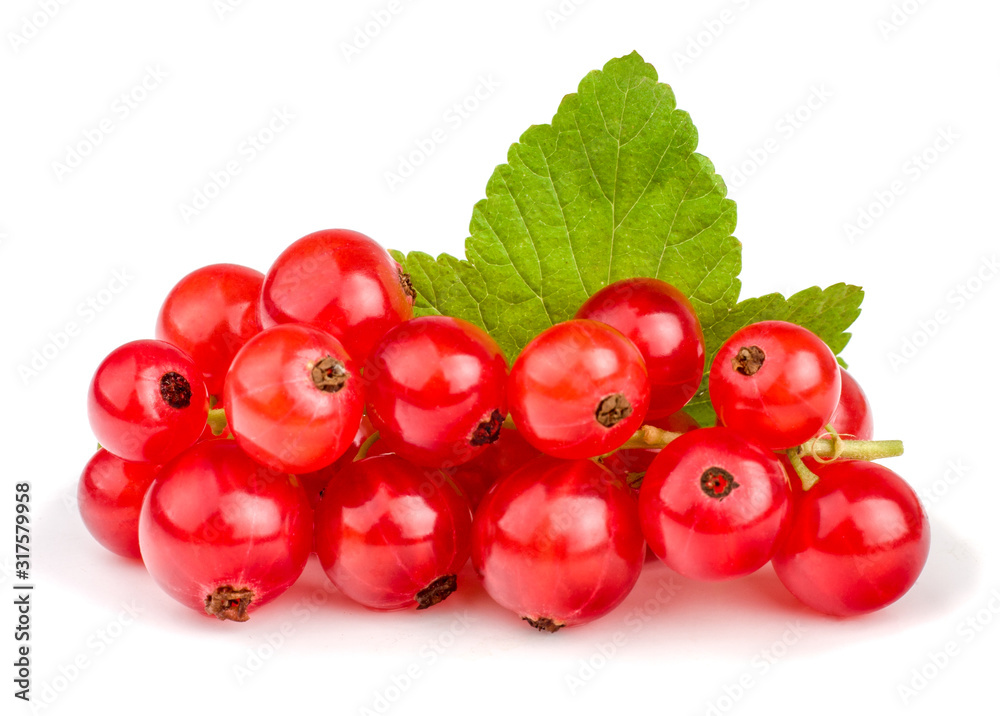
{"type": "Point", "coordinates": [851, 449]}
{"type": "Point", "coordinates": [807, 476]}
{"type": "Point", "coordinates": [366, 446]}
{"type": "Point", "coordinates": [217, 420]}
{"type": "Point", "coordinates": [652, 437]}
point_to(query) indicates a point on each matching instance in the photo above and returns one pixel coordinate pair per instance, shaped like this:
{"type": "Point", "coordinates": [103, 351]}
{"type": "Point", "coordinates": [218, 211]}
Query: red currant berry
{"type": "Point", "coordinates": [558, 542]}
{"type": "Point", "coordinates": [147, 402]}
{"type": "Point", "coordinates": [661, 321]}
{"type": "Point", "coordinates": [221, 534]}
{"type": "Point", "coordinates": [342, 282]}
{"type": "Point", "coordinates": [579, 389]}
{"type": "Point", "coordinates": [293, 398]}
{"type": "Point", "coordinates": [436, 390]}
{"type": "Point", "coordinates": [713, 505]}
{"type": "Point", "coordinates": [209, 315]}
{"type": "Point", "coordinates": [110, 497]}
{"type": "Point", "coordinates": [857, 542]}
{"type": "Point", "coordinates": [852, 419]}
{"type": "Point", "coordinates": [392, 535]}
{"type": "Point", "coordinates": [775, 382]}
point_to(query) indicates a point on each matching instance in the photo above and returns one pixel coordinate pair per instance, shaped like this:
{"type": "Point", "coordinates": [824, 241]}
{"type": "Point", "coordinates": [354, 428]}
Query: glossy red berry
{"type": "Point", "coordinates": [852, 418]}
{"type": "Point", "coordinates": [222, 534]}
{"type": "Point", "coordinates": [110, 495]}
{"type": "Point", "coordinates": [342, 282]}
{"type": "Point", "coordinates": [209, 315]}
{"type": "Point", "coordinates": [775, 382]}
{"type": "Point", "coordinates": [713, 505]}
{"type": "Point", "coordinates": [857, 542]}
{"type": "Point", "coordinates": [661, 322]}
{"type": "Point", "coordinates": [436, 390]}
{"type": "Point", "coordinates": [558, 542]}
{"type": "Point", "coordinates": [392, 535]}
{"type": "Point", "coordinates": [293, 398]}
{"type": "Point", "coordinates": [147, 402]}
{"type": "Point", "coordinates": [579, 389]}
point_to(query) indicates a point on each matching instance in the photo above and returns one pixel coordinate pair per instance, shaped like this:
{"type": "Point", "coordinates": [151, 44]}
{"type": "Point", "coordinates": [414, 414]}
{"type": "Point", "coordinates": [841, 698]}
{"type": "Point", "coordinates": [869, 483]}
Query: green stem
{"type": "Point", "coordinates": [652, 438]}
{"type": "Point", "coordinates": [366, 446]}
{"type": "Point", "coordinates": [217, 420]}
{"type": "Point", "coordinates": [649, 437]}
{"type": "Point", "coordinates": [852, 449]}
{"type": "Point", "coordinates": [807, 476]}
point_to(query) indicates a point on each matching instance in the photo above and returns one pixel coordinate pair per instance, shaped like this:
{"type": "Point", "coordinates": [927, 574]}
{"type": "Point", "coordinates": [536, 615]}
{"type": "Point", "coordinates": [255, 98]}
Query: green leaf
{"type": "Point", "coordinates": [611, 189]}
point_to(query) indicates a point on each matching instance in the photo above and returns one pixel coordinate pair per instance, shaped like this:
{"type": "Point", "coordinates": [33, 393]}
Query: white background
{"type": "Point", "coordinates": [892, 80]}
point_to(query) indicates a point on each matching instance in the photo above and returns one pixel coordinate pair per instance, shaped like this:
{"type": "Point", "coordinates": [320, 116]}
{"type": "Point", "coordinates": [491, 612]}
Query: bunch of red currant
{"type": "Point", "coordinates": [308, 410]}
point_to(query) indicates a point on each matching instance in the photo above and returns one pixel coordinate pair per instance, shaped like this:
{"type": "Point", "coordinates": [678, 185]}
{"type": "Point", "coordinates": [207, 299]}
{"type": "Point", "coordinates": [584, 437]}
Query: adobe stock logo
{"type": "Point", "coordinates": [225, 7]}
{"type": "Point", "coordinates": [427, 655]}
{"type": "Point", "coordinates": [86, 312]}
{"type": "Point", "coordinates": [558, 14]}
{"type": "Point", "coordinates": [938, 660]}
{"type": "Point", "coordinates": [913, 169]}
{"type": "Point", "coordinates": [901, 14]}
{"type": "Point", "coordinates": [785, 129]}
{"type": "Point", "coordinates": [957, 298]}
{"type": "Point", "coordinates": [760, 665]}
{"type": "Point", "coordinates": [711, 30]}
{"type": "Point", "coordinates": [247, 151]}
{"type": "Point", "coordinates": [121, 109]}
{"type": "Point", "coordinates": [31, 25]}
{"type": "Point", "coordinates": [365, 33]}
{"type": "Point", "coordinates": [451, 121]}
